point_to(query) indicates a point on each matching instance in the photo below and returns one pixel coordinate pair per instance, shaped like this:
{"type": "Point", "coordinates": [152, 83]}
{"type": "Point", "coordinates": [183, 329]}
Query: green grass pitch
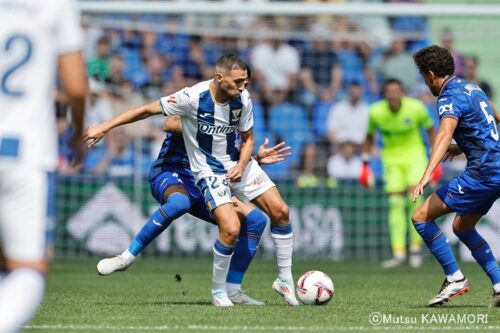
{"type": "Point", "coordinates": [147, 298]}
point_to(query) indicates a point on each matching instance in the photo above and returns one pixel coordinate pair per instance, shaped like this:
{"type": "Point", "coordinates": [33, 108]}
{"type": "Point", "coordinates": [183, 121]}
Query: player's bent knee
{"type": "Point", "coordinates": [229, 234]}
{"type": "Point", "coordinates": [180, 205]}
{"type": "Point", "coordinates": [459, 228]}
{"type": "Point", "coordinates": [280, 214]}
{"type": "Point", "coordinates": [418, 216]}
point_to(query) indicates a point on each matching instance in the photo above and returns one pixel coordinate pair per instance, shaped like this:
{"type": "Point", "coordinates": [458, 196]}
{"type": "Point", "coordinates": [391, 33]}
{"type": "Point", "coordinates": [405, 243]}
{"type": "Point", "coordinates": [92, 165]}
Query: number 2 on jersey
{"type": "Point", "coordinates": [25, 45]}
{"type": "Point", "coordinates": [490, 119]}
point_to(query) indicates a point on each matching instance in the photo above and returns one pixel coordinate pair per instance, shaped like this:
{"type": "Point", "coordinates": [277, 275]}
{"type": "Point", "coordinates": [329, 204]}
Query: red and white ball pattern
{"type": "Point", "coordinates": [315, 288]}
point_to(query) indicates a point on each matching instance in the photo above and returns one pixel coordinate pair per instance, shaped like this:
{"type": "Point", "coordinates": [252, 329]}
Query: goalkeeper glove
{"type": "Point", "coordinates": [366, 178]}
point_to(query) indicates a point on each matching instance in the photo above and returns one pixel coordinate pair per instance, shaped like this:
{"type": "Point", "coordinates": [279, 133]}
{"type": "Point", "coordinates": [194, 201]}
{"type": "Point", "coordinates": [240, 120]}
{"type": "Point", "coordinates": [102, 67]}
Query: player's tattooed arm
{"type": "Point", "coordinates": [272, 155]}
{"type": "Point", "coordinates": [94, 133]}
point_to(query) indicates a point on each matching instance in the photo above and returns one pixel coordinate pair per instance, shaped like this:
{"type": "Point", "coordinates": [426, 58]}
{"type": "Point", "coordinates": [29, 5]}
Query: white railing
{"type": "Point", "coordinates": [290, 9]}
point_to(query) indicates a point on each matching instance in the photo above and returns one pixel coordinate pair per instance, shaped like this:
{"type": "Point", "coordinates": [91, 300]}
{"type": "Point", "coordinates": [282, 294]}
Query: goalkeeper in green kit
{"type": "Point", "coordinates": [399, 120]}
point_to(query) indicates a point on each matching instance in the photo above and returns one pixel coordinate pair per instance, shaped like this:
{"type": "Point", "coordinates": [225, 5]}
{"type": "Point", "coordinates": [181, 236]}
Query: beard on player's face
{"type": "Point", "coordinates": [229, 90]}
{"type": "Point", "coordinates": [431, 82]}
{"type": "Point", "coordinates": [233, 83]}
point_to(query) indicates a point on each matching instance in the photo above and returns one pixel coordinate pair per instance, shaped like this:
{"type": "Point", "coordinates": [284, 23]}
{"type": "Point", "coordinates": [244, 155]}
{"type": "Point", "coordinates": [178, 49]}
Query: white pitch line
{"type": "Point", "coordinates": [70, 327]}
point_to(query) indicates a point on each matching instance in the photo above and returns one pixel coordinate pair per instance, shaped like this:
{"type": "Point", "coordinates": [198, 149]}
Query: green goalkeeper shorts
{"type": "Point", "coordinates": [403, 173]}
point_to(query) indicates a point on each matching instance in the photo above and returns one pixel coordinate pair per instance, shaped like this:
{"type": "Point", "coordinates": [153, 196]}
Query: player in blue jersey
{"type": "Point", "coordinates": [466, 116]}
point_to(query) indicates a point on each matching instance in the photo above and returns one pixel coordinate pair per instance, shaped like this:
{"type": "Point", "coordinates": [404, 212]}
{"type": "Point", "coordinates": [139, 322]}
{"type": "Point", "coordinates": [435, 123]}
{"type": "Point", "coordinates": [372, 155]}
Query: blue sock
{"type": "Point", "coordinates": [281, 230]}
{"type": "Point", "coordinates": [481, 251]}
{"type": "Point", "coordinates": [437, 242]}
{"type": "Point", "coordinates": [177, 205]}
{"type": "Point", "coordinates": [246, 245]}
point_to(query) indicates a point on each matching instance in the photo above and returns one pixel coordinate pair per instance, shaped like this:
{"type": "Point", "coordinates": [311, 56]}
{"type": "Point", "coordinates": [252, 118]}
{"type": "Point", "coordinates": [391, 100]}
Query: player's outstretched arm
{"type": "Point", "coordinates": [272, 155]}
{"type": "Point", "coordinates": [74, 79]}
{"type": "Point", "coordinates": [94, 133]}
{"type": "Point", "coordinates": [439, 149]}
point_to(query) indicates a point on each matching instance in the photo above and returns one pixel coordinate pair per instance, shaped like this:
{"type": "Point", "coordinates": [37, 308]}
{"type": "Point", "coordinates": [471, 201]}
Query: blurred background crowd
{"type": "Point", "coordinates": [313, 81]}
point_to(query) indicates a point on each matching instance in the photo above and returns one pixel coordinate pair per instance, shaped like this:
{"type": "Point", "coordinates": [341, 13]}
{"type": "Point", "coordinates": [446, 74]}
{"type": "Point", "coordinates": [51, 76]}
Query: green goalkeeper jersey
{"type": "Point", "coordinates": [401, 131]}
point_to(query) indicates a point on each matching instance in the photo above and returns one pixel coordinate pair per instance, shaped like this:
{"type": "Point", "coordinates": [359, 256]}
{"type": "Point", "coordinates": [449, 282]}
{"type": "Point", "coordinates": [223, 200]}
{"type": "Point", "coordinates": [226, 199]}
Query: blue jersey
{"type": "Point", "coordinates": [476, 133]}
{"type": "Point", "coordinates": [172, 154]}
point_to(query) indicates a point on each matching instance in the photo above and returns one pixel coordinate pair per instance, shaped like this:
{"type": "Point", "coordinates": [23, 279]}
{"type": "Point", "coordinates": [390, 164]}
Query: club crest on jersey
{"type": "Point", "coordinates": [236, 113]}
{"type": "Point", "coordinates": [221, 193]}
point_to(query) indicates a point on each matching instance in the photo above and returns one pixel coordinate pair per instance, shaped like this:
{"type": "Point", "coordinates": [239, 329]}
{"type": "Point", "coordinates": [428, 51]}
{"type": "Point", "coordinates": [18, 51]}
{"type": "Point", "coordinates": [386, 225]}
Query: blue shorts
{"type": "Point", "coordinates": [464, 194]}
{"type": "Point", "coordinates": [183, 177]}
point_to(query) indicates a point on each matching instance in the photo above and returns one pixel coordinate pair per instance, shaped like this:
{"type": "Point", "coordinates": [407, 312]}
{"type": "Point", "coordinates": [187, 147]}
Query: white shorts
{"type": "Point", "coordinates": [26, 207]}
{"type": "Point", "coordinates": [218, 191]}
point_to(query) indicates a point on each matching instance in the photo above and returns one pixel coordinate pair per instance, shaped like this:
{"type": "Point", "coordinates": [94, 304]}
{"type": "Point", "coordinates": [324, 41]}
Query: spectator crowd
{"type": "Point", "coordinates": [313, 81]}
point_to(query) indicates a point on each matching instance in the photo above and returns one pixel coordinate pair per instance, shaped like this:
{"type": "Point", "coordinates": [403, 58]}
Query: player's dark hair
{"type": "Point", "coordinates": [231, 61]}
{"type": "Point", "coordinates": [436, 59]}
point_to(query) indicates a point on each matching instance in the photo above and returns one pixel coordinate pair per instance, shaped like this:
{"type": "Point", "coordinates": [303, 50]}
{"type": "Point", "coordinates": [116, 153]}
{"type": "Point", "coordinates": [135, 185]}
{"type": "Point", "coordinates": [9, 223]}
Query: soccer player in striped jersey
{"type": "Point", "coordinates": [173, 186]}
{"type": "Point", "coordinates": [213, 113]}
{"type": "Point", "coordinates": [37, 38]}
{"type": "Point", "coordinates": [466, 115]}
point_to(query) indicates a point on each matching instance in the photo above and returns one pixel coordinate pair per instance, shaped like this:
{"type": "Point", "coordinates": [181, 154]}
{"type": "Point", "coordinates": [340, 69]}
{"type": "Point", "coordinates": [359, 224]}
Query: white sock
{"type": "Point", "coordinates": [400, 256]}
{"type": "Point", "coordinates": [21, 293]}
{"type": "Point", "coordinates": [455, 276]}
{"type": "Point", "coordinates": [496, 287]}
{"type": "Point", "coordinates": [129, 257]}
{"type": "Point", "coordinates": [220, 269]}
{"type": "Point", "coordinates": [284, 250]}
{"type": "Point", "coordinates": [232, 288]}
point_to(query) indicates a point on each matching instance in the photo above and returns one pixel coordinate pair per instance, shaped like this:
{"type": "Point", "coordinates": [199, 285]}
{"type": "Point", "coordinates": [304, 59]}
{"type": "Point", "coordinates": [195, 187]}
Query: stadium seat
{"type": "Point", "coordinates": [289, 122]}
{"type": "Point", "coordinates": [320, 118]}
{"type": "Point", "coordinates": [134, 68]}
{"type": "Point", "coordinates": [260, 131]}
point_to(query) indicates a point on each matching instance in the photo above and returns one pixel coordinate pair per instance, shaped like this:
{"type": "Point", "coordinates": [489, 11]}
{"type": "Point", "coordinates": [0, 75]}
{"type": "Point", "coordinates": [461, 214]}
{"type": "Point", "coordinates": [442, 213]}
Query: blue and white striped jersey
{"type": "Point", "coordinates": [476, 133]}
{"type": "Point", "coordinates": [210, 129]}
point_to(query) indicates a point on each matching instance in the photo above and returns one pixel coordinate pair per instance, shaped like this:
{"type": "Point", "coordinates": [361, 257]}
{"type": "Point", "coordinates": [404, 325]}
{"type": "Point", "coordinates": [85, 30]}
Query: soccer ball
{"type": "Point", "coordinates": [315, 288]}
